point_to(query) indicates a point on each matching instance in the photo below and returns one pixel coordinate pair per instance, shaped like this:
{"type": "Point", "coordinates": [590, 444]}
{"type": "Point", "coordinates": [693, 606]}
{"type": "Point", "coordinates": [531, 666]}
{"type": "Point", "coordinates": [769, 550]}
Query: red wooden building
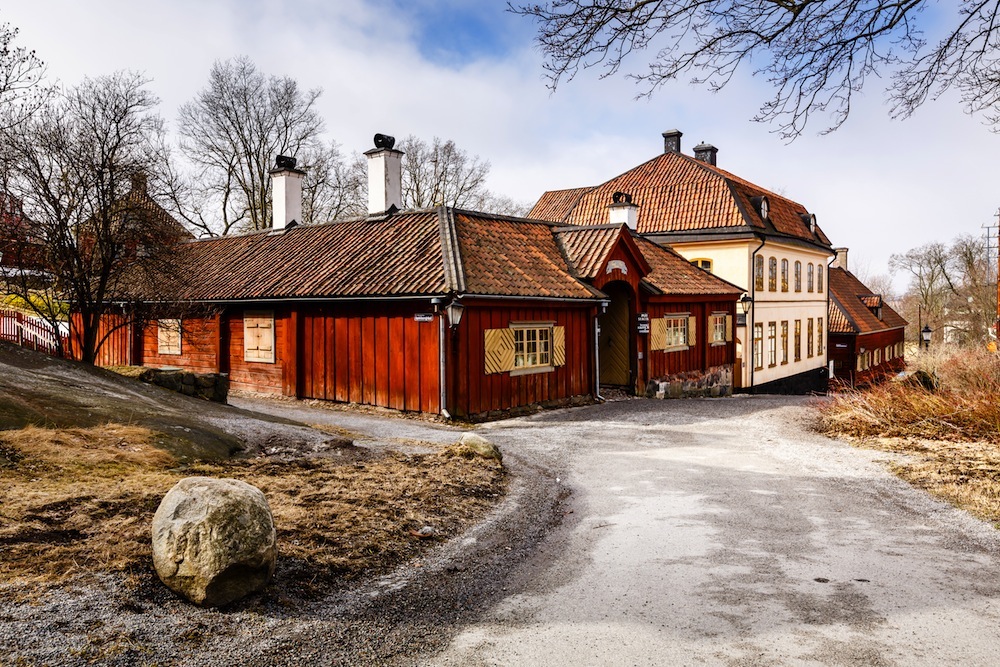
{"type": "Point", "coordinates": [442, 311]}
{"type": "Point", "coordinates": [866, 334]}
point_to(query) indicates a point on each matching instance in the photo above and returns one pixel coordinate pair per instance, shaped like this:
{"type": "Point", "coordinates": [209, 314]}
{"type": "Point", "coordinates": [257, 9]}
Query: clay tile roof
{"type": "Point", "coordinates": [505, 256]}
{"type": "Point", "coordinates": [409, 254]}
{"type": "Point", "coordinates": [853, 306]}
{"type": "Point", "coordinates": [393, 257]}
{"type": "Point", "coordinates": [672, 274]}
{"type": "Point", "coordinates": [587, 248]}
{"type": "Point", "coordinates": [555, 205]}
{"type": "Point", "coordinates": [677, 193]}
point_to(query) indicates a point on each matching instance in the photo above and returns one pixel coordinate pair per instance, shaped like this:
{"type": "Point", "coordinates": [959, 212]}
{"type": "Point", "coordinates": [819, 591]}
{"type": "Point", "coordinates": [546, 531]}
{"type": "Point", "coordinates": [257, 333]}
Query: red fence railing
{"type": "Point", "coordinates": [31, 332]}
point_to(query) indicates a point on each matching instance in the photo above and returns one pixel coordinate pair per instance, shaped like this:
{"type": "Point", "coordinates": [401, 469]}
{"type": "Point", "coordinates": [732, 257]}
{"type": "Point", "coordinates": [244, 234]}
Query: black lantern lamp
{"type": "Point", "coordinates": [455, 310]}
{"type": "Point", "coordinates": [925, 337]}
{"type": "Point", "coordinates": [746, 302]}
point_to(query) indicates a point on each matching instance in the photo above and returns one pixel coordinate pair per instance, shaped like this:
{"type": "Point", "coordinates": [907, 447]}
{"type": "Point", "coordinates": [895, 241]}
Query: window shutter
{"type": "Point", "coordinates": [658, 334]}
{"type": "Point", "coordinates": [499, 350]}
{"type": "Point", "coordinates": [558, 346]}
{"type": "Point", "coordinates": [729, 328]}
{"type": "Point", "coordinates": [692, 330]}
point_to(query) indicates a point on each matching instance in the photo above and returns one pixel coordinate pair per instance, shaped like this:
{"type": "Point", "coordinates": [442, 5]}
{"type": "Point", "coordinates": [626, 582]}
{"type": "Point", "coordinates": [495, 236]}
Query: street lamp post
{"type": "Point", "coordinates": [925, 337]}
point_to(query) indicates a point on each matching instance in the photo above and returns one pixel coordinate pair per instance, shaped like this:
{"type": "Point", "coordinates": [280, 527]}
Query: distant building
{"type": "Point", "coordinates": [769, 245]}
{"type": "Point", "coordinates": [866, 334]}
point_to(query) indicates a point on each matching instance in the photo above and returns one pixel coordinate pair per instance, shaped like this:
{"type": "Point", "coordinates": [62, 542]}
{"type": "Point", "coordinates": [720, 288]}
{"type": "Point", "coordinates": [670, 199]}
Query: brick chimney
{"type": "Point", "coordinates": [286, 194]}
{"type": "Point", "coordinates": [672, 141]}
{"type": "Point", "coordinates": [706, 153]}
{"type": "Point", "coordinates": [385, 177]}
{"type": "Point", "coordinates": [622, 210]}
{"type": "Point", "coordinates": [840, 261]}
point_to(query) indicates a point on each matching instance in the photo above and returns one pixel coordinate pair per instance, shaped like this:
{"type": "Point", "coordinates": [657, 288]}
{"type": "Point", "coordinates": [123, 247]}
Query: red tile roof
{"type": "Point", "coordinates": [677, 193]}
{"type": "Point", "coordinates": [853, 307]}
{"type": "Point", "coordinates": [587, 249]}
{"type": "Point", "coordinates": [419, 253]}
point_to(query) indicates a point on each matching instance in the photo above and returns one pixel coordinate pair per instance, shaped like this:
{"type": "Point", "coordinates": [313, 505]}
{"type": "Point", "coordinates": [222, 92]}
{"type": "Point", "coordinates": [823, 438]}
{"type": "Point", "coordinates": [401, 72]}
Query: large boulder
{"type": "Point", "coordinates": [472, 445]}
{"type": "Point", "coordinates": [214, 540]}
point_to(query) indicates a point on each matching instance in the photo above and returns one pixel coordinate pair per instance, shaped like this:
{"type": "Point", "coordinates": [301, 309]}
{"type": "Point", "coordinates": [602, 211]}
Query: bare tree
{"type": "Point", "coordinates": [441, 173]}
{"type": "Point", "coordinates": [21, 75]}
{"type": "Point", "coordinates": [333, 187]}
{"type": "Point", "coordinates": [78, 168]}
{"type": "Point", "coordinates": [232, 130]}
{"type": "Point", "coordinates": [817, 54]}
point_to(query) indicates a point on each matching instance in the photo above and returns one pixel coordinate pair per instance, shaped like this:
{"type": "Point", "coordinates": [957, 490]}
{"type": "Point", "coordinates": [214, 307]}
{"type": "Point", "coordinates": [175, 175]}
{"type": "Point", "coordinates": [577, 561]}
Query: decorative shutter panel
{"type": "Point", "coordinates": [558, 346]}
{"type": "Point", "coordinates": [692, 331]}
{"type": "Point", "coordinates": [658, 334]}
{"type": "Point", "coordinates": [499, 350]}
{"type": "Point", "coordinates": [265, 337]}
{"type": "Point", "coordinates": [729, 328]}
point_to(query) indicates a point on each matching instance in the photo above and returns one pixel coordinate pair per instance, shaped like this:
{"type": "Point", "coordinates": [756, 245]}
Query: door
{"type": "Point", "coordinates": [615, 339]}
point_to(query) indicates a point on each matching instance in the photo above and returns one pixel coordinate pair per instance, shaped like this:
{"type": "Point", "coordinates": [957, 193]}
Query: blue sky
{"type": "Point", "coordinates": [468, 71]}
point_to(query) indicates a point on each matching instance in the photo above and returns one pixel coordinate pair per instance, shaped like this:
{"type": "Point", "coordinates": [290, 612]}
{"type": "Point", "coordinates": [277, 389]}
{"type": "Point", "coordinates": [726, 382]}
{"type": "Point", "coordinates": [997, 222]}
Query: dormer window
{"type": "Point", "coordinates": [763, 206]}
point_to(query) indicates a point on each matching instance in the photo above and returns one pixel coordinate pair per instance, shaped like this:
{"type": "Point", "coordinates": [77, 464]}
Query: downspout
{"type": "Point", "coordinates": [826, 331]}
{"type": "Point", "coordinates": [597, 353]}
{"type": "Point", "coordinates": [443, 393]}
{"type": "Point", "coordinates": [753, 310]}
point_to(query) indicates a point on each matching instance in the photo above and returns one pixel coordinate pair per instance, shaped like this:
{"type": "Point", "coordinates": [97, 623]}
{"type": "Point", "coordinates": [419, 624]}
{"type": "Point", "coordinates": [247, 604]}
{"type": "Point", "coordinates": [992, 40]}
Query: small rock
{"type": "Point", "coordinates": [474, 445]}
{"type": "Point", "coordinates": [214, 540]}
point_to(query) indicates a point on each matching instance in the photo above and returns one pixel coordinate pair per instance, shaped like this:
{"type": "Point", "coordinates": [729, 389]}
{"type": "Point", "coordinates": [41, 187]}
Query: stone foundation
{"type": "Point", "coordinates": [716, 381]}
{"type": "Point", "coordinates": [209, 386]}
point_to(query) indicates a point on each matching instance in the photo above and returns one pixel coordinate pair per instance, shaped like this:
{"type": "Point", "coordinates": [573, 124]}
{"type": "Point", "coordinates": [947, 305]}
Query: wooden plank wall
{"type": "Point", "coordinates": [198, 346]}
{"type": "Point", "coordinates": [474, 392]}
{"type": "Point", "coordinates": [259, 376]}
{"type": "Point", "coordinates": [370, 354]}
{"type": "Point", "coordinates": [702, 355]}
{"type": "Point", "coordinates": [117, 348]}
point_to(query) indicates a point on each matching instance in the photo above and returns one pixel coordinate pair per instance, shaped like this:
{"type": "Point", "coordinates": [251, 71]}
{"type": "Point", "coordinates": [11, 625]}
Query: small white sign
{"type": "Point", "coordinates": [423, 317]}
{"type": "Point", "coordinates": [616, 264]}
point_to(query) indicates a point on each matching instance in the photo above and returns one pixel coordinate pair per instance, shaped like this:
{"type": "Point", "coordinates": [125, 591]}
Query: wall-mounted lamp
{"type": "Point", "coordinates": [746, 301]}
{"type": "Point", "coordinates": [604, 306]}
{"type": "Point", "coordinates": [455, 310]}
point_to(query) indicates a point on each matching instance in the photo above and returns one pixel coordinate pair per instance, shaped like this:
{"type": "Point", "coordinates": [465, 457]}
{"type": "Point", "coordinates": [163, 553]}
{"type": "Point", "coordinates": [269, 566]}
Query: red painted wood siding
{"type": "Point", "coordinates": [370, 354]}
{"type": "Point", "coordinates": [116, 345]}
{"type": "Point", "coordinates": [198, 341]}
{"type": "Point", "coordinates": [702, 354]}
{"type": "Point", "coordinates": [473, 392]}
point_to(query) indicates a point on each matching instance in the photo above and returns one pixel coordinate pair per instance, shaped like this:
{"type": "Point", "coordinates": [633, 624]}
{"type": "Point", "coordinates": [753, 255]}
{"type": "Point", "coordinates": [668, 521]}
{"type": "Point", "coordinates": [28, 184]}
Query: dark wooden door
{"type": "Point", "coordinates": [614, 340]}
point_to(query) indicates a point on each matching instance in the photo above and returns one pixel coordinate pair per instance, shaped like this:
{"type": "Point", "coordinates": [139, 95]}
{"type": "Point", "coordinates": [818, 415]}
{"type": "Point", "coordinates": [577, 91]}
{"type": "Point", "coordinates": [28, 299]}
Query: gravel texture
{"type": "Point", "coordinates": [637, 532]}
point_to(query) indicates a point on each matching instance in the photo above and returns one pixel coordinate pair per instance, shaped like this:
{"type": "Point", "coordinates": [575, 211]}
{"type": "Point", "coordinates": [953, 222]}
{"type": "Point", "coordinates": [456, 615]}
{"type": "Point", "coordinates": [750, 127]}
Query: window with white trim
{"type": "Point", "coordinates": [809, 337]}
{"type": "Point", "coordinates": [784, 341]}
{"type": "Point", "coordinates": [798, 340]}
{"type": "Point", "coordinates": [772, 344]}
{"type": "Point", "coordinates": [758, 273]}
{"type": "Point", "coordinates": [258, 336]}
{"type": "Point", "coordinates": [784, 275]}
{"type": "Point", "coordinates": [772, 274]}
{"type": "Point", "coordinates": [676, 331]}
{"type": "Point", "coordinates": [532, 346]}
{"type": "Point", "coordinates": [798, 276]}
{"type": "Point", "coordinates": [758, 346]}
{"type": "Point", "coordinates": [720, 328]}
{"type": "Point", "coordinates": [168, 336]}
{"type": "Point", "coordinates": [702, 263]}
{"type": "Point", "coordinates": [819, 278]}
{"type": "Point", "coordinates": [819, 335]}
{"type": "Point", "coordinates": [809, 277]}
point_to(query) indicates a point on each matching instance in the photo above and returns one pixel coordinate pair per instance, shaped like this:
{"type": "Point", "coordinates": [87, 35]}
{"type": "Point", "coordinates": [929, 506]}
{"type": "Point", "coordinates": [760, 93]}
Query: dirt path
{"type": "Point", "coordinates": [640, 532]}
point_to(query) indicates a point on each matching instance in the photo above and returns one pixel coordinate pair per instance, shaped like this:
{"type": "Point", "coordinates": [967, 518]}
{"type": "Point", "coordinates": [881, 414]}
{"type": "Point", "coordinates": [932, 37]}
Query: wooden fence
{"type": "Point", "coordinates": [31, 332]}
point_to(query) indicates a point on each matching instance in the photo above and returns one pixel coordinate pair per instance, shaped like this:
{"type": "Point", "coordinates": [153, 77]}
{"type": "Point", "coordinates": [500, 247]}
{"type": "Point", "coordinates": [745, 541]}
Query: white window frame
{"type": "Point", "coordinates": [676, 331]}
{"type": "Point", "coordinates": [168, 336]}
{"type": "Point", "coordinates": [532, 346]}
{"type": "Point", "coordinates": [255, 348]}
{"type": "Point", "coordinates": [772, 344]}
{"type": "Point", "coordinates": [719, 329]}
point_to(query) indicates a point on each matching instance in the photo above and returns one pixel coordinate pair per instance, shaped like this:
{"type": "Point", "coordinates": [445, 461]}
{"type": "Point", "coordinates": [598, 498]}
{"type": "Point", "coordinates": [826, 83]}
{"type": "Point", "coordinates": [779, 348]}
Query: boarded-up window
{"type": "Point", "coordinates": [524, 347]}
{"type": "Point", "coordinates": [168, 336]}
{"type": "Point", "coordinates": [258, 336]}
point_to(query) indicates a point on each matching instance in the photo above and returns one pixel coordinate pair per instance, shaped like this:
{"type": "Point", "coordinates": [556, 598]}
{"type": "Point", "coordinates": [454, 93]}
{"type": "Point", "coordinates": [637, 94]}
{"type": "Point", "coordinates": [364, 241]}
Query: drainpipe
{"type": "Point", "coordinates": [597, 353]}
{"type": "Point", "coordinates": [436, 302]}
{"type": "Point", "coordinates": [753, 310]}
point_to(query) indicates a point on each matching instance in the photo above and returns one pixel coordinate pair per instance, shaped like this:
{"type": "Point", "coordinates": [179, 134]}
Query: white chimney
{"type": "Point", "coordinates": [840, 261]}
{"type": "Point", "coordinates": [286, 194]}
{"type": "Point", "coordinates": [385, 176]}
{"type": "Point", "coordinates": [622, 210]}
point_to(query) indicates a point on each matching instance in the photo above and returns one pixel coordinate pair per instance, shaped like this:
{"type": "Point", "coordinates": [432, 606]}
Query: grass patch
{"type": "Point", "coordinates": [951, 435]}
{"type": "Point", "coordinates": [79, 501]}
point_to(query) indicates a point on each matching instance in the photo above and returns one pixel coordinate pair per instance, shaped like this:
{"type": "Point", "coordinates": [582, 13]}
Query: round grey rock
{"type": "Point", "coordinates": [214, 540]}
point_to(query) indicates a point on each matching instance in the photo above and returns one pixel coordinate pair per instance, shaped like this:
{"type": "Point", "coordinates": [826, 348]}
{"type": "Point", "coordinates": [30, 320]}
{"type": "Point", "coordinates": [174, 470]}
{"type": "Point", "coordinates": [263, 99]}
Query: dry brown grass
{"type": "Point", "coordinates": [76, 501]}
{"type": "Point", "coordinates": [951, 436]}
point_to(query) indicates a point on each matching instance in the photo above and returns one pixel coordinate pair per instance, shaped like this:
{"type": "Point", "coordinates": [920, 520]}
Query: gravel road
{"type": "Point", "coordinates": [635, 533]}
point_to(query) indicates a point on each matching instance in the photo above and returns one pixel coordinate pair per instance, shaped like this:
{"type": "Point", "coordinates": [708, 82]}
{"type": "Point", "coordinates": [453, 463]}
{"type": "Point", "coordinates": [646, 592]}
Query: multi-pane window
{"type": "Point", "coordinates": [809, 337]}
{"type": "Point", "coordinates": [772, 344]}
{"type": "Point", "coordinates": [784, 275]}
{"type": "Point", "coordinates": [168, 336]}
{"type": "Point", "coordinates": [772, 275]}
{"type": "Point", "coordinates": [258, 336]}
{"type": "Point", "coordinates": [676, 331]}
{"type": "Point", "coordinates": [532, 347]}
{"type": "Point", "coordinates": [758, 346]}
{"type": "Point", "coordinates": [798, 276]}
{"type": "Point", "coordinates": [819, 335]}
{"type": "Point", "coordinates": [809, 278]}
{"type": "Point", "coordinates": [703, 264]}
{"type": "Point", "coordinates": [719, 328]}
{"type": "Point", "coordinates": [784, 342]}
{"type": "Point", "coordinates": [819, 278]}
{"type": "Point", "coordinates": [798, 339]}
{"type": "Point", "coordinates": [758, 273]}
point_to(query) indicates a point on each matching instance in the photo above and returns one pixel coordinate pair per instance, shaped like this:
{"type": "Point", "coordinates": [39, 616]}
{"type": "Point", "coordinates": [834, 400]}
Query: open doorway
{"type": "Point", "coordinates": [616, 339]}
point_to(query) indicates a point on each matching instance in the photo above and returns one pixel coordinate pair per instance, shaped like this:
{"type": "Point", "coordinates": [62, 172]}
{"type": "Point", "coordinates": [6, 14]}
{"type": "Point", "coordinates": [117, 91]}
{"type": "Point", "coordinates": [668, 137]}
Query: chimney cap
{"type": "Point", "coordinates": [384, 141]}
{"type": "Point", "coordinates": [622, 198]}
{"type": "Point", "coordinates": [285, 163]}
